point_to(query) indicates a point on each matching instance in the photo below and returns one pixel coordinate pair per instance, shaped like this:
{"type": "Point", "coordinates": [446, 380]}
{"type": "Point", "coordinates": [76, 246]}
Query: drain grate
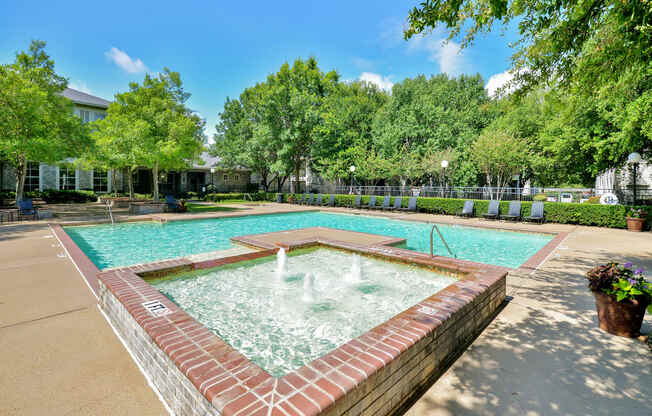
{"type": "Point", "coordinates": [156, 308]}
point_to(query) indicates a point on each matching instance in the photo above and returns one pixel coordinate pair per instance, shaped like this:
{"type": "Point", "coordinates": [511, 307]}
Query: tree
{"type": "Point", "coordinates": [151, 126]}
{"type": "Point", "coordinates": [431, 164]}
{"type": "Point", "coordinates": [499, 155]}
{"type": "Point", "coordinates": [36, 122]}
{"type": "Point", "coordinates": [430, 114]}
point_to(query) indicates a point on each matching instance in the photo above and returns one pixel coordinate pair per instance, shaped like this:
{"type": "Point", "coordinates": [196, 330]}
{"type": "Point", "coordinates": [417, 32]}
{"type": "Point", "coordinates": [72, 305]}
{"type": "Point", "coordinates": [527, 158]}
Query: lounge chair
{"type": "Point", "coordinates": [309, 200]}
{"type": "Point", "coordinates": [536, 213]}
{"type": "Point", "coordinates": [412, 205]}
{"type": "Point", "coordinates": [467, 210]}
{"type": "Point", "coordinates": [371, 204]}
{"type": "Point", "coordinates": [514, 211]}
{"type": "Point", "coordinates": [26, 209]}
{"type": "Point", "coordinates": [172, 203]}
{"type": "Point", "coordinates": [493, 212]}
{"type": "Point", "coordinates": [279, 198]}
{"type": "Point", "coordinates": [356, 203]}
{"type": "Point", "coordinates": [398, 201]}
{"type": "Point", "coordinates": [331, 201]}
{"type": "Point", "coordinates": [385, 204]}
{"type": "Point", "coordinates": [302, 199]}
{"type": "Point", "coordinates": [318, 200]}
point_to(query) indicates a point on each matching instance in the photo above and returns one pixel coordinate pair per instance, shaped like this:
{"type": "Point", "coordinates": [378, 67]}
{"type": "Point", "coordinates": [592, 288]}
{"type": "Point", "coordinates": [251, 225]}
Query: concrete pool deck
{"type": "Point", "coordinates": [543, 354]}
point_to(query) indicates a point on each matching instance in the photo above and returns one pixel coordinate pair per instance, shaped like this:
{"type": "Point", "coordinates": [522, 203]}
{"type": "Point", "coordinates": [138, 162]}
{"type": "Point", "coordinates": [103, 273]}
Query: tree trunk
{"type": "Point", "coordinates": [21, 172]}
{"type": "Point", "coordinates": [114, 180]}
{"type": "Point", "coordinates": [130, 182]}
{"type": "Point", "coordinates": [155, 181]}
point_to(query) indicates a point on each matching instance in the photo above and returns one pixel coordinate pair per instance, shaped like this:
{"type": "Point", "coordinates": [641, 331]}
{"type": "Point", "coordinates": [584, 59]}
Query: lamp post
{"type": "Point", "coordinates": [351, 169]}
{"type": "Point", "coordinates": [212, 179]}
{"type": "Point", "coordinates": [634, 158]}
{"type": "Point", "coordinates": [444, 165]}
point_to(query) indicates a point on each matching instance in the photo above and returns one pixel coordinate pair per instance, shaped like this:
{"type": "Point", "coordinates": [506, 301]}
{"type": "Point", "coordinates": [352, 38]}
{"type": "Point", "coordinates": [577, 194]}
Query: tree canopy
{"type": "Point", "coordinates": [36, 122]}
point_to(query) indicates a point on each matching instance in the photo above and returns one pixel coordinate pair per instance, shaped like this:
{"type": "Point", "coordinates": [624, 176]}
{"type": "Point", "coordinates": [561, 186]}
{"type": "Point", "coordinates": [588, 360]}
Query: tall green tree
{"type": "Point", "coordinates": [152, 127]}
{"type": "Point", "coordinates": [36, 122]}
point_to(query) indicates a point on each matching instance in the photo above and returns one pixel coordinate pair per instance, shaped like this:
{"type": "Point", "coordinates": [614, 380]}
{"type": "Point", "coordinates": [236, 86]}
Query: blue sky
{"type": "Point", "coordinates": [220, 48]}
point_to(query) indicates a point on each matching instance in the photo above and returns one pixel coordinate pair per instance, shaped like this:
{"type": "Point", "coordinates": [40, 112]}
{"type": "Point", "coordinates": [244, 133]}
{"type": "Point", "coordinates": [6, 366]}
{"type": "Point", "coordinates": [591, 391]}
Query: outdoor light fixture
{"type": "Point", "coordinates": [634, 158]}
{"type": "Point", "coordinates": [212, 179]}
{"type": "Point", "coordinates": [444, 164]}
{"type": "Point", "coordinates": [351, 169]}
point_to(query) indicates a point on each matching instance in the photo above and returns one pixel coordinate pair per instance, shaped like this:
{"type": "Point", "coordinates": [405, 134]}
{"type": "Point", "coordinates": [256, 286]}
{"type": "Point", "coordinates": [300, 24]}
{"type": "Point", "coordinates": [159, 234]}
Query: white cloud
{"type": "Point", "coordinates": [362, 63]}
{"type": "Point", "coordinates": [80, 86]}
{"type": "Point", "coordinates": [125, 62]}
{"type": "Point", "coordinates": [382, 82]}
{"type": "Point", "coordinates": [502, 80]}
{"type": "Point", "coordinates": [446, 53]}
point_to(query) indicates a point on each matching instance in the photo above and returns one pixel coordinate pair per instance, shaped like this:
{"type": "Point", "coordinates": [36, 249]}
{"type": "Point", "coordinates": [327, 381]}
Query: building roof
{"type": "Point", "coordinates": [82, 98]}
{"type": "Point", "coordinates": [210, 162]}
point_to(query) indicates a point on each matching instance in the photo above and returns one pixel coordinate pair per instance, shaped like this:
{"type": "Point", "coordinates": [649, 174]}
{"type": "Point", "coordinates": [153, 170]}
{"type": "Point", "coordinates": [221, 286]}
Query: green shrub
{"type": "Point", "coordinates": [539, 197]}
{"type": "Point", "coordinates": [53, 196]}
{"type": "Point", "coordinates": [593, 200]}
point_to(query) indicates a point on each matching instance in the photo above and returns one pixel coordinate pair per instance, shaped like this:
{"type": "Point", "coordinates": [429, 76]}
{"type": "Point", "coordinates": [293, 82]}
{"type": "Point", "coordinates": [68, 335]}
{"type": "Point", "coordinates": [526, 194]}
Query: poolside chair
{"type": "Point", "coordinates": [385, 204]}
{"type": "Point", "coordinates": [309, 200]}
{"type": "Point", "coordinates": [172, 203]}
{"type": "Point", "coordinates": [279, 198]}
{"type": "Point", "coordinates": [412, 205]}
{"type": "Point", "coordinates": [356, 203]}
{"type": "Point", "coordinates": [536, 213]}
{"type": "Point", "coordinates": [302, 199]}
{"type": "Point", "coordinates": [26, 209]}
{"type": "Point", "coordinates": [371, 204]}
{"type": "Point", "coordinates": [493, 211]}
{"type": "Point", "coordinates": [467, 210]}
{"type": "Point", "coordinates": [318, 201]}
{"type": "Point", "coordinates": [514, 211]}
{"type": "Point", "coordinates": [398, 201]}
{"type": "Point", "coordinates": [331, 201]}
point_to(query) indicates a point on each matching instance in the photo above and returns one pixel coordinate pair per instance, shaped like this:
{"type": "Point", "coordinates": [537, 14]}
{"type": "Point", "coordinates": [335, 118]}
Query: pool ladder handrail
{"type": "Point", "coordinates": [110, 212]}
{"type": "Point", "coordinates": [432, 230]}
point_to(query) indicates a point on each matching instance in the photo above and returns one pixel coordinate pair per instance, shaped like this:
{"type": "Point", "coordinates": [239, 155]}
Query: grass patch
{"type": "Point", "coordinates": [240, 201]}
{"type": "Point", "coordinates": [209, 208]}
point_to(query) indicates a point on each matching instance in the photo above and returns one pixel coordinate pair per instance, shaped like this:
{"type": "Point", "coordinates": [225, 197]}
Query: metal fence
{"type": "Point", "coordinates": [505, 194]}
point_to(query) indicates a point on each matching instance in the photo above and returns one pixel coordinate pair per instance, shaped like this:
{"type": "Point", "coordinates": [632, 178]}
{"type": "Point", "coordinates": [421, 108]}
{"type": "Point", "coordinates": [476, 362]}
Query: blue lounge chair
{"type": "Point", "coordinates": [467, 210]}
{"type": "Point", "coordinates": [412, 205]}
{"type": "Point", "coordinates": [26, 209]}
{"type": "Point", "coordinates": [356, 203]}
{"type": "Point", "coordinates": [318, 201]}
{"type": "Point", "coordinates": [385, 205]}
{"type": "Point", "coordinates": [493, 211]}
{"type": "Point", "coordinates": [302, 199]}
{"type": "Point", "coordinates": [536, 213]}
{"type": "Point", "coordinates": [309, 200]}
{"type": "Point", "coordinates": [279, 198]}
{"type": "Point", "coordinates": [372, 202]}
{"type": "Point", "coordinates": [331, 201]}
{"type": "Point", "coordinates": [514, 211]}
{"type": "Point", "coordinates": [398, 201]}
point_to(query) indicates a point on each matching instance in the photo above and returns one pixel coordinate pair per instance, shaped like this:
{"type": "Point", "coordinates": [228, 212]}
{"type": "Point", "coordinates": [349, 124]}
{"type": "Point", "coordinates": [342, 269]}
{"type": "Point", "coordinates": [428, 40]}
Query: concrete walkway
{"type": "Point", "coordinates": [59, 355]}
{"type": "Point", "coordinates": [542, 355]}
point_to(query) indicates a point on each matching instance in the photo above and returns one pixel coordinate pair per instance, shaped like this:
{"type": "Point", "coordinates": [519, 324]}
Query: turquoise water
{"type": "Point", "coordinates": [132, 243]}
{"type": "Point", "coordinates": [321, 300]}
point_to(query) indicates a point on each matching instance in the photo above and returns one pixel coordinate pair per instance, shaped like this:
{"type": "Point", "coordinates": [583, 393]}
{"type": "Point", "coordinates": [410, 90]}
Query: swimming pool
{"type": "Point", "coordinates": [133, 243]}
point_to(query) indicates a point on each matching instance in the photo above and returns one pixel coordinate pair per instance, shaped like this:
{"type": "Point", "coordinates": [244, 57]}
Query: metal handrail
{"type": "Point", "coordinates": [434, 227]}
{"type": "Point", "coordinates": [108, 208]}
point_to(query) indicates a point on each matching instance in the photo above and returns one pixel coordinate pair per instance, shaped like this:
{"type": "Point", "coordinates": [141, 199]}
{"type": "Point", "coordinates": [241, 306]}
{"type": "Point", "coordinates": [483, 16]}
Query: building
{"type": "Point", "coordinates": [67, 176]}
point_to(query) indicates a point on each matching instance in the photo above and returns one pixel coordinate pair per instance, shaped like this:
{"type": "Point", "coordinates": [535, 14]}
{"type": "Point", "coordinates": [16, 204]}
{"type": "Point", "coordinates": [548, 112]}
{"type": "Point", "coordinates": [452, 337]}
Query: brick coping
{"type": "Point", "coordinates": [235, 385]}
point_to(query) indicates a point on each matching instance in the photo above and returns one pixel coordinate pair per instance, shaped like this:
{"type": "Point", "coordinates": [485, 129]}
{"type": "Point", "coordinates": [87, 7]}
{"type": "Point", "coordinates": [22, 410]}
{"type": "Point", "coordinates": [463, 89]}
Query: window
{"type": "Point", "coordinates": [85, 115]}
{"type": "Point", "coordinates": [236, 177]}
{"type": "Point", "coordinates": [32, 178]}
{"type": "Point", "coordinates": [99, 116]}
{"type": "Point", "coordinates": [67, 177]}
{"type": "Point", "coordinates": [226, 177]}
{"type": "Point", "coordinates": [100, 181]}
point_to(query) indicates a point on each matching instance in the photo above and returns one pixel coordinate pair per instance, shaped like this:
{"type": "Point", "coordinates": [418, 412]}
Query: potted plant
{"type": "Point", "coordinates": [636, 219]}
{"type": "Point", "coordinates": [621, 296]}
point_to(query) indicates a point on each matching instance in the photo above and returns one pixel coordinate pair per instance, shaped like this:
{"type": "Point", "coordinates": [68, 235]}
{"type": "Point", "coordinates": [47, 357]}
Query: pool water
{"type": "Point", "coordinates": [132, 243]}
{"type": "Point", "coordinates": [282, 321]}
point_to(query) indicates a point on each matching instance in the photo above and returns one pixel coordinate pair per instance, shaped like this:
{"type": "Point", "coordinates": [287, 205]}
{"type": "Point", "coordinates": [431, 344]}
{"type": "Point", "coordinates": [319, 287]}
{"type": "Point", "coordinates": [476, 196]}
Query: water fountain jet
{"type": "Point", "coordinates": [355, 275]}
{"type": "Point", "coordinates": [281, 264]}
{"type": "Point", "coordinates": [309, 288]}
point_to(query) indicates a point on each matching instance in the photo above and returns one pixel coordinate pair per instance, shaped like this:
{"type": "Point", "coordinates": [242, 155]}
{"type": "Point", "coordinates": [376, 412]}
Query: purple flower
{"type": "Point", "coordinates": [639, 271]}
{"type": "Point", "coordinates": [632, 281]}
{"type": "Point", "coordinates": [628, 264]}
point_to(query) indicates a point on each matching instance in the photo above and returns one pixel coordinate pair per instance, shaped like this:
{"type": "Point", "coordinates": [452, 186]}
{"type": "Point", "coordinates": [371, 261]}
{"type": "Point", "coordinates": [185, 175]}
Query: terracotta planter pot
{"type": "Point", "coordinates": [635, 224]}
{"type": "Point", "coordinates": [620, 318]}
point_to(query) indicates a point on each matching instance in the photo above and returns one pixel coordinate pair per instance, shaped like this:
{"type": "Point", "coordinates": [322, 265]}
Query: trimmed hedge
{"type": "Point", "coordinates": [612, 216]}
{"type": "Point", "coordinates": [256, 196]}
{"type": "Point", "coordinates": [53, 196]}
